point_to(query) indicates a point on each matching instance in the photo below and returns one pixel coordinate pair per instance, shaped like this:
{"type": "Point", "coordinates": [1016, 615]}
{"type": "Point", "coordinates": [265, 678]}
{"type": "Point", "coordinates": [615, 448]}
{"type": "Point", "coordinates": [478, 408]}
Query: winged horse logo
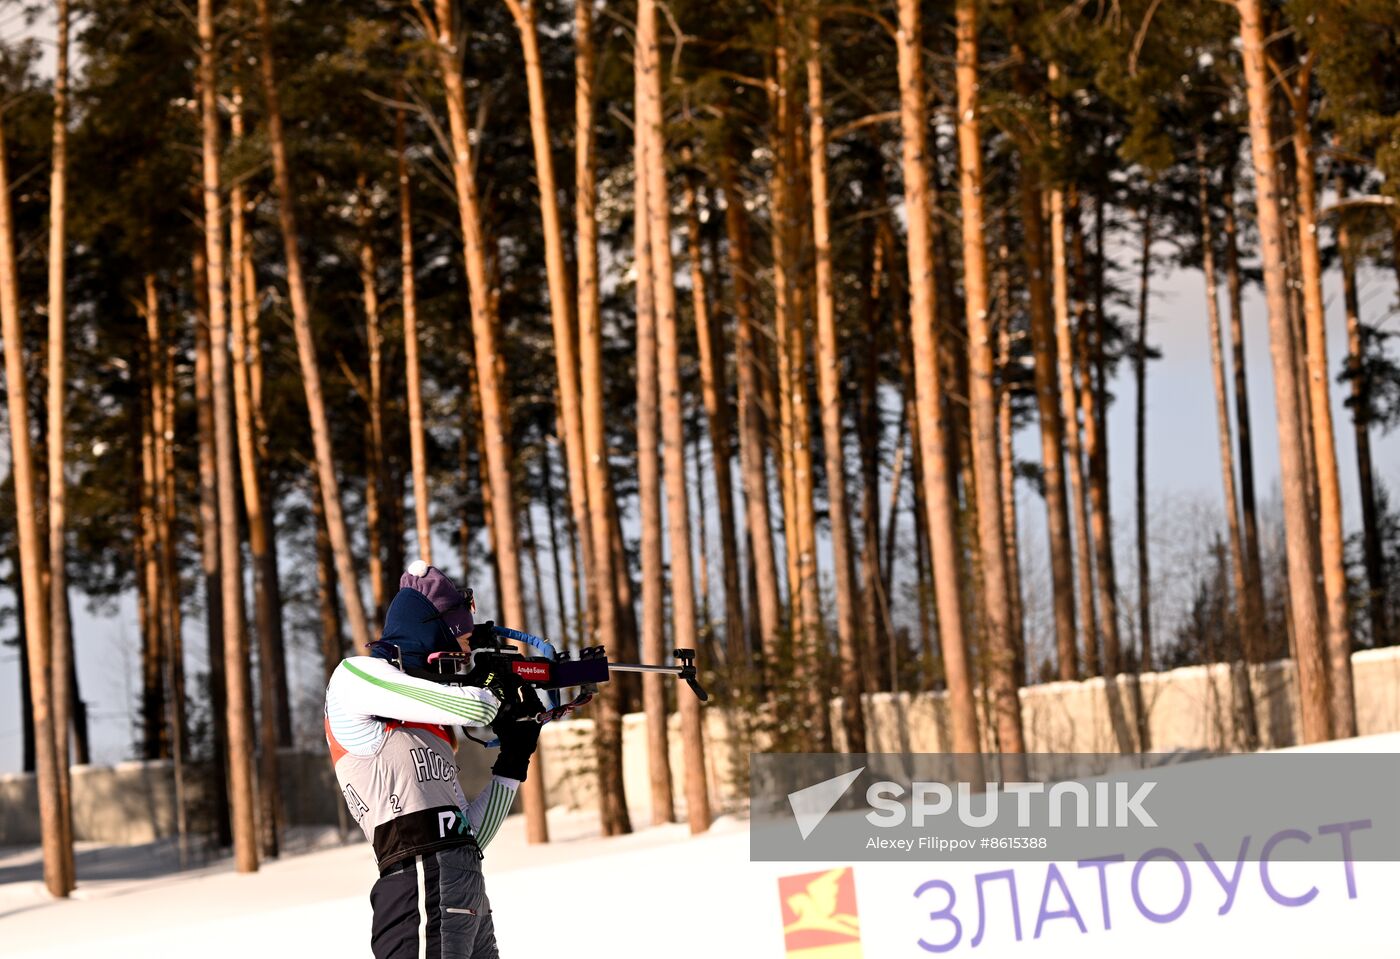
{"type": "Point", "coordinates": [820, 913]}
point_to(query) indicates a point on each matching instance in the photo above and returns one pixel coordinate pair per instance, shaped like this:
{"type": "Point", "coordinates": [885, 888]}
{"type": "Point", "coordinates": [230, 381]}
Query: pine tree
{"type": "Point", "coordinates": [828, 370]}
{"type": "Point", "coordinates": [239, 697]}
{"type": "Point", "coordinates": [57, 877]}
{"type": "Point", "coordinates": [1301, 548]}
{"type": "Point", "coordinates": [62, 637]}
{"type": "Point", "coordinates": [672, 423]}
{"type": "Point", "coordinates": [928, 380]}
{"type": "Point", "coordinates": [648, 447]}
{"type": "Point", "coordinates": [1002, 680]}
{"type": "Point", "coordinates": [412, 367]}
{"type": "Point", "coordinates": [306, 346]}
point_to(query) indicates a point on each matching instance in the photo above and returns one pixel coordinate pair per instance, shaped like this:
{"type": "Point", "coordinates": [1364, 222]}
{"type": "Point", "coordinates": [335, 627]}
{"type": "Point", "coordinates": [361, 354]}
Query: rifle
{"type": "Point", "coordinates": [548, 673]}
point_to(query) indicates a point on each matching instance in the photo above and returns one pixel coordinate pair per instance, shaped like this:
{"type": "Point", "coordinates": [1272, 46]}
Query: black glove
{"type": "Point", "coordinates": [502, 682]}
{"type": "Point", "coordinates": [518, 737]}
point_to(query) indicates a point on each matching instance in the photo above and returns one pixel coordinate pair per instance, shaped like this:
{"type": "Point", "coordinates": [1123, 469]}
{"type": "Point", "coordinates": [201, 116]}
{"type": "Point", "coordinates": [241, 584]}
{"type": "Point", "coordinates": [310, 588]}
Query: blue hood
{"type": "Point", "coordinates": [412, 623]}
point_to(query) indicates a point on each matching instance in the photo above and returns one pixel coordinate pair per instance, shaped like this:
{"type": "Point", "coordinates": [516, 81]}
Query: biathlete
{"type": "Point", "coordinates": [390, 737]}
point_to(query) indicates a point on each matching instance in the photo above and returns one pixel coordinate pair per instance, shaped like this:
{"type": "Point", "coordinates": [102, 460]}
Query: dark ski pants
{"type": "Point", "coordinates": [433, 906]}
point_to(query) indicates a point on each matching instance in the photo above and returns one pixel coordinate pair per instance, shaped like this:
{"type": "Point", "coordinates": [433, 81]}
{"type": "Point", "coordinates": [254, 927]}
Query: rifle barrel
{"type": "Point", "coordinates": [641, 668]}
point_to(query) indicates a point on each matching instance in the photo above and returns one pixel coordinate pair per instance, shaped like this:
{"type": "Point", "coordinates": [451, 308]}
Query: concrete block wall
{"type": "Point", "coordinates": [129, 803]}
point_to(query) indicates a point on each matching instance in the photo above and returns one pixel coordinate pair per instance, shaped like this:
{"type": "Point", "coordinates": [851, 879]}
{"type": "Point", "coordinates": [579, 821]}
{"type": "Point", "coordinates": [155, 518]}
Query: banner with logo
{"type": "Point", "coordinates": [1288, 853]}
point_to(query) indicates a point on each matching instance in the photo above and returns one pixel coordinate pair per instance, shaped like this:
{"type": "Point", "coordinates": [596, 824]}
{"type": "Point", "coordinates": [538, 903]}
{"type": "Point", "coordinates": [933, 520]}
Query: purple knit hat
{"type": "Point", "coordinates": [454, 608]}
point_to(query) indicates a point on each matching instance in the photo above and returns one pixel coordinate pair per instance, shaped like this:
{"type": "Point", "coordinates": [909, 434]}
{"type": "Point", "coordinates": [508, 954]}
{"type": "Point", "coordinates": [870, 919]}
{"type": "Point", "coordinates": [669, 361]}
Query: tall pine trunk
{"type": "Point", "coordinates": [777, 390]}
{"type": "Point", "coordinates": [928, 383]}
{"type": "Point", "coordinates": [772, 353]}
{"type": "Point", "coordinates": [753, 467]}
{"type": "Point", "coordinates": [382, 578]}
{"type": "Point", "coordinates": [417, 438]}
{"type": "Point", "coordinates": [1225, 438]}
{"type": "Point", "coordinates": [332, 641]}
{"type": "Point", "coordinates": [609, 566]}
{"type": "Point", "coordinates": [1052, 430]}
{"type": "Point", "coordinates": [26, 698]}
{"type": "Point", "coordinates": [1140, 445]}
{"type": "Point", "coordinates": [672, 414]}
{"type": "Point", "coordinates": [828, 361]}
{"type": "Point", "coordinates": [57, 876]}
{"type": "Point", "coordinates": [813, 649]}
{"type": "Point", "coordinates": [1253, 566]}
{"type": "Point", "coordinates": [495, 423]}
{"type": "Point", "coordinates": [154, 590]}
{"type": "Point", "coordinates": [982, 402]}
{"type": "Point", "coordinates": [715, 395]}
{"type": "Point", "coordinates": [870, 428]}
{"type": "Point", "coordinates": [923, 564]}
{"type": "Point", "coordinates": [1006, 453]}
{"type": "Point", "coordinates": [629, 636]}
{"type": "Point", "coordinates": [653, 561]}
{"type": "Point", "coordinates": [62, 635]}
{"type": "Point", "coordinates": [1093, 400]}
{"type": "Point", "coordinates": [1095, 656]}
{"type": "Point", "coordinates": [209, 547]}
{"type": "Point", "coordinates": [239, 696]}
{"type": "Point", "coordinates": [170, 570]}
{"type": "Point", "coordinates": [1373, 558]}
{"type": "Point", "coordinates": [554, 554]}
{"type": "Point", "coordinates": [1331, 536]}
{"type": "Point", "coordinates": [705, 624]}
{"type": "Point", "coordinates": [266, 587]}
{"type": "Point", "coordinates": [793, 333]}
{"type": "Point", "coordinates": [306, 345]}
{"type": "Point", "coordinates": [1300, 365]}
{"type": "Point", "coordinates": [1298, 529]}
{"type": "Point", "coordinates": [162, 586]}
{"type": "Point", "coordinates": [270, 604]}
{"type": "Point", "coordinates": [561, 317]}
{"type": "Point", "coordinates": [155, 656]}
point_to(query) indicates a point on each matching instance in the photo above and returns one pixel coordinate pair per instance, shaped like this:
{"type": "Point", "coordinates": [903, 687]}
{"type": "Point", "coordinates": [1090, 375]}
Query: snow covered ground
{"type": "Point", "coordinates": [547, 900]}
{"type": "Point", "coordinates": [660, 892]}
